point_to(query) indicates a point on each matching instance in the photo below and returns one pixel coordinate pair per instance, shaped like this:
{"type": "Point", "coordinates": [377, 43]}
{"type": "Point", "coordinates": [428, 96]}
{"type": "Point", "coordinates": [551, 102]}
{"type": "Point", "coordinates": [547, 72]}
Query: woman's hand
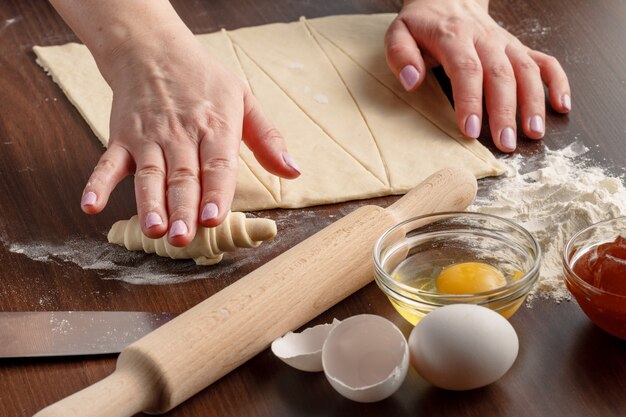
{"type": "Point", "coordinates": [478, 56]}
{"type": "Point", "coordinates": [177, 119]}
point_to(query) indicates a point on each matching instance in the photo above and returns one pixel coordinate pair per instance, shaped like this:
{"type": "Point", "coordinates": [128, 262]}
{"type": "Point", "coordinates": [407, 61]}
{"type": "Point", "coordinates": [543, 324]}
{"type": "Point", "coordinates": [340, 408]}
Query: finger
{"type": "Point", "coordinates": [182, 190]}
{"type": "Point", "coordinates": [219, 158]}
{"type": "Point", "coordinates": [403, 56]}
{"type": "Point", "coordinates": [500, 97]}
{"type": "Point", "coordinates": [266, 142]}
{"type": "Point", "coordinates": [555, 78]}
{"type": "Point", "coordinates": [150, 191]}
{"type": "Point", "coordinates": [115, 164]}
{"type": "Point", "coordinates": [463, 67]}
{"type": "Point", "coordinates": [531, 97]}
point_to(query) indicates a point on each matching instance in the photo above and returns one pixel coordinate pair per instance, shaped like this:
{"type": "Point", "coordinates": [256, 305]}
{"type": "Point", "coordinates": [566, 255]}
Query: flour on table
{"type": "Point", "coordinates": [321, 98]}
{"type": "Point", "coordinates": [113, 262]}
{"type": "Point", "coordinates": [553, 196]}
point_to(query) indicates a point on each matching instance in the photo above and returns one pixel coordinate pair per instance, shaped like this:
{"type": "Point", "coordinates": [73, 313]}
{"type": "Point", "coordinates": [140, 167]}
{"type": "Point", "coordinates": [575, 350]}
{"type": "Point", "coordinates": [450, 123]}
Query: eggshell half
{"type": "Point", "coordinates": [303, 350]}
{"type": "Point", "coordinates": [463, 346]}
{"type": "Point", "coordinates": [365, 358]}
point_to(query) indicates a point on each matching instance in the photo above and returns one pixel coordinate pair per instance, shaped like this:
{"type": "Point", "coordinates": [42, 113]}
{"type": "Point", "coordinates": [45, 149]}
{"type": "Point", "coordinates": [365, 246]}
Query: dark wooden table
{"type": "Point", "coordinates": [566, 366]}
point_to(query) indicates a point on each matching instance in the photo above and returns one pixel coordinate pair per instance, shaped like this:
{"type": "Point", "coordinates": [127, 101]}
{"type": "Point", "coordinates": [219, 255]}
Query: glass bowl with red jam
{"type": "Point", "coordinates": [595, 273]}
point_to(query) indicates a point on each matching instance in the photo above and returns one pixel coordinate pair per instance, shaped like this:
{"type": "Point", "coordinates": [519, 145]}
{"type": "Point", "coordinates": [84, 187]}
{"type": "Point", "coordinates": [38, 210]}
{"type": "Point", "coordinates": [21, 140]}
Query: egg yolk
{"type": "Point", "coordinates": [468, 278]}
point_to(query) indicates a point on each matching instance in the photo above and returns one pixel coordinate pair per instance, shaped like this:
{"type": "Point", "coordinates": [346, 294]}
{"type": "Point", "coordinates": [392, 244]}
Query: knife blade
{"type": "Point", "coordinates": [73, 333]}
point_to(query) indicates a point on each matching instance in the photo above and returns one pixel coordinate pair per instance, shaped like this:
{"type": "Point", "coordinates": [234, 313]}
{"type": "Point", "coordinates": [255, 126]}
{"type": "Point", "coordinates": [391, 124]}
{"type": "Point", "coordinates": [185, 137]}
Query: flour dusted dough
{"type": "Point", "coordinates": [208, 245]}
{"type": "Point", "coordinates": [324, 83]}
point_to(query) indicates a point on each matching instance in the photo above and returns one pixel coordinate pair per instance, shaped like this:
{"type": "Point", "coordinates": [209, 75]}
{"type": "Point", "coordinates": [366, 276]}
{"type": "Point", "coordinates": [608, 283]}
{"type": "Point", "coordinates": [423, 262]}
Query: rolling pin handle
{"type": "Point", "coordinates": [121, 394]}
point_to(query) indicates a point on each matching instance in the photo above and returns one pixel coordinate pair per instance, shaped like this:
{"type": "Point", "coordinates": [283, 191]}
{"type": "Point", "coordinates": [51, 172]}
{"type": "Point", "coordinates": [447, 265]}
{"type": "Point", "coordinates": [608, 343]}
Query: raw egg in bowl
{"type": "Point", "coordinates": [456, 257]}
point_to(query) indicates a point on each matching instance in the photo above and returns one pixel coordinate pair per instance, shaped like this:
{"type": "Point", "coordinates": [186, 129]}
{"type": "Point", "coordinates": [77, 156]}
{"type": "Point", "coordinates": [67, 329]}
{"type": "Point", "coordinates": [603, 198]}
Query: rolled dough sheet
{"type": "Point", "coordinates": [325, 85]}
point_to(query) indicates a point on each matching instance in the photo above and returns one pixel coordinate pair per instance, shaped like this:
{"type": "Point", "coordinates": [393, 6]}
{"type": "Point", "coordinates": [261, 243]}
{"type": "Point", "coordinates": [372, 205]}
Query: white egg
{"type": "Point", "coordinates": [463, 346]}
{"type": "Point", "coordinates": [365, 358]}
{"type": "Point", "coordinates": [303, 350]}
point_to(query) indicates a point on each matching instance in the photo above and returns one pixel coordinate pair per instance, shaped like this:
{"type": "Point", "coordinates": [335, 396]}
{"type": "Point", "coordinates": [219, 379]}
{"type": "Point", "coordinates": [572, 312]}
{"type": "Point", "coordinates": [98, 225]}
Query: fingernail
{"type": "Point", "coordinates": [291, 163]}
{"type": "Point", "coordinates": [507, 138]}
{"type": "Point", "coordinates": [209, 212]}
{"type": "Point", "coordinates": [153, 219]}
{"type": "Point", "coordinates": [409, 76]}
{"type": "Point", "coordinates": [472, 126]}
{"type": "Point", "coordinates": [179, 228]}
{"type": "Point", "coordinates": [536, 124]}
{"type": "Point", "coordinates": [89, 199]}
{"type": "Point", "coordinates": [566, 101]}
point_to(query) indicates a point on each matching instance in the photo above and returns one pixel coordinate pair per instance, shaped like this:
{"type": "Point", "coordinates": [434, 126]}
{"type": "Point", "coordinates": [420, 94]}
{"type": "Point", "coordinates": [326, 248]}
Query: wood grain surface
{"type": "Point", "coordinates": [566, 365]}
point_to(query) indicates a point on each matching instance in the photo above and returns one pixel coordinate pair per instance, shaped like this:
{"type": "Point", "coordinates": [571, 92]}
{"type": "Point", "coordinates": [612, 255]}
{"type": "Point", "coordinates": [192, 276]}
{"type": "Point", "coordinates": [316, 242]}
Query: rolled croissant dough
{"type": "Point", "coordinates": [208, 245]}
{"type": "Point", "coordinates": [325, 85]}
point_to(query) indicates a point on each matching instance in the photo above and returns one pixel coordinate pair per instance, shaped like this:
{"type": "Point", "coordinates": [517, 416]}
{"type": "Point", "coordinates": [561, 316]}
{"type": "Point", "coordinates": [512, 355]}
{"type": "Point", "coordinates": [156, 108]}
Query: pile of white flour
{"type": "Point", "coordinates": [553, 196]}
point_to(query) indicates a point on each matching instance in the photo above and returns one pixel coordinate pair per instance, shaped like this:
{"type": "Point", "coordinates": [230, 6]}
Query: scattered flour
{"type": "Point", "coordinates": [553, 196]}
{"type": "Point", "coordinates": [110, 261]}
{"type": "Point", "coordinates": [114, 262]}
{"type": "Point", "coordinates": [296, 65]}
{"type": "Point", "coordinates": [8, 22]}
{"type": "Point", "coordinates": [321, 98]}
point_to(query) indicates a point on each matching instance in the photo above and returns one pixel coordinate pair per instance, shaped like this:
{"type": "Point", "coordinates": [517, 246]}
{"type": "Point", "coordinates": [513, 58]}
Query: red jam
{"type": "Point", "coordinates": [604, 267]}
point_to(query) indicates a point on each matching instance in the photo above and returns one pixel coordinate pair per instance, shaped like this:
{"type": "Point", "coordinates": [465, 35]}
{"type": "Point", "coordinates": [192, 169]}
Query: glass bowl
{"type": "Point", "coordinates": [604, 308]}
{"type": "Point", "coordinates": [409, 258]}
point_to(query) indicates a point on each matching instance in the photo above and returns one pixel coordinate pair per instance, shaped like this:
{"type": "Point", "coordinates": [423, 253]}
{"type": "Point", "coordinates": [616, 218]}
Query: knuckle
{"type": "Point", "coordinates": [501, 72]}
{"type": "Point", "coordinates": [395, 49]}
{"type": "Point", "coordinates": [183, 174]}
{"type": "Point", "coordinates": [452, 27]}
{"type": "Point", "coordinates": [467, 65]}
{"type": "Point", "coordinates": [219, 163]}
{"type": "Point", "coordinates": [106, 164]}
{"type": "Point", "coordinates": [149, 171]}
{"type": "Point", "coordinates": [271, 135]}
{"type": "Point", "coordinates": [528, 65]}
{"type": "Point", "coordinates": [216, 123]}
{"type": "Point", "coordinates": [469, 99]}
{"type": "Point", "coordinates": [503, 112]}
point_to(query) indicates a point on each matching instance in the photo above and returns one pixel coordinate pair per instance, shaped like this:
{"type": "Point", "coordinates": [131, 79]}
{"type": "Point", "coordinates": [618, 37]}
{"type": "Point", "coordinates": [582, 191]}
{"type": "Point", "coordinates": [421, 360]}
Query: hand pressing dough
{"type": "Point", "coordinates": [325, 84]}
{"type": "Point", "coordinates": [208, 245]}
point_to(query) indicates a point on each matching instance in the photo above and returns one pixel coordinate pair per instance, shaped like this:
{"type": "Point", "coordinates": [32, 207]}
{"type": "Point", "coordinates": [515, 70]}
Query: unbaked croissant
{"type": "Point", "coordinates": [208, 245]}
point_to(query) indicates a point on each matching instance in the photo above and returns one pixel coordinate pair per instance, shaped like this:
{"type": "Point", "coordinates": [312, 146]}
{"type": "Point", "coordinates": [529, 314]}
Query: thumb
{"type": "Point", "coordinates": [266, 142]}
{"type": "Point", "coordinates": [403, 56]}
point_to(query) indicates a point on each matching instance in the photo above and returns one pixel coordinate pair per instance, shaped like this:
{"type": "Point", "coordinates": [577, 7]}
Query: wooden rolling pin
{"type": "Point", "coordinates": [177, 360]}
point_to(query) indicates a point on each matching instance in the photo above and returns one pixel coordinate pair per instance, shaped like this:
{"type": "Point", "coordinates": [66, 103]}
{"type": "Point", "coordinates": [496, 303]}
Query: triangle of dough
{"type": "Point", "coordinates": [361, 38]}
{"type": "Point", "coordinates": [291, 57]}
{"type": "Point", "coordinates": [73, 68]}
{"type": "Point", "coordinates": [251, 191]}
{"type": "Point", "coordinates": [329, 174]}
{"type": "Point", "coordinates": [400, 131]}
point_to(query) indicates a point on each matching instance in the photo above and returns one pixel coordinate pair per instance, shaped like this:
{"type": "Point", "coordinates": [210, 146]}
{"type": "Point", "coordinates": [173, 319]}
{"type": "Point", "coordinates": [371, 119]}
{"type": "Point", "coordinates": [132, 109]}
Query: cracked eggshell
{"type": "Point", "coordinates": [365, 358]}
{"type": "Point", "coordinates": [303, 350]}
